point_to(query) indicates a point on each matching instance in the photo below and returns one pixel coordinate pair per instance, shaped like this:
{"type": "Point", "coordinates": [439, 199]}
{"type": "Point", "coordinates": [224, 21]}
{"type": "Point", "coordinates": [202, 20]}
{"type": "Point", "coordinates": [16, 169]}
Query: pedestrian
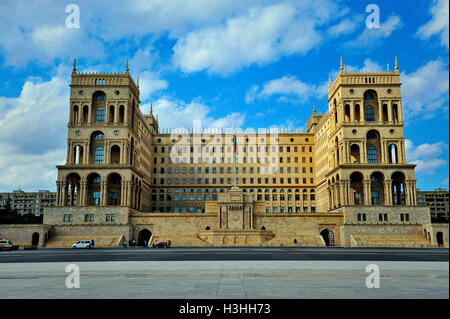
{"type": "Point", "coordinates": [134, 242]}
{"type": "Point", "coordinates": [145, 243]}
{"type": "Point", "coordinates": [130, 242]}
{"type": "Point", "coordinates": [92, 243]}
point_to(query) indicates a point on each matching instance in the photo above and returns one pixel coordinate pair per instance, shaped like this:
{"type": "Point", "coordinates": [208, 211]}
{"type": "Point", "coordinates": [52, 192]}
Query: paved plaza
{"type": "Point", "coordinates": [226, 279]}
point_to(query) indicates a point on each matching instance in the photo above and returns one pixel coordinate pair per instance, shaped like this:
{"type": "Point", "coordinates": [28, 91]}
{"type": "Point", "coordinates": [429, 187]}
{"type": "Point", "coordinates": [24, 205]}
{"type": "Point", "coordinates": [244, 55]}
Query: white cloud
{"type": "Point", "coordinates": [173, 113]}
{"type": "Point", "coordinates": [425, 156]}
{"type": "Point", "coordinates": [36, 30]}
{"type": "Point", "coordinates": [286, 87]}
{"type": "Point", "coordinates": [33, 133]}
{"type": "Point", "coordinates": [373, 36]}
{"type": "Point", "coordinates": [345, 26]}
{"type": "Point", "coordinates": [425, 91]}
{"type": "Point", "coordinates": [260, 36]}
{"type": "Point", "coordinates": [149, 83]}
{"type": "Point", "coordinates": [438, 25]}
{"type": "Point", "coordinates": [368, 66]}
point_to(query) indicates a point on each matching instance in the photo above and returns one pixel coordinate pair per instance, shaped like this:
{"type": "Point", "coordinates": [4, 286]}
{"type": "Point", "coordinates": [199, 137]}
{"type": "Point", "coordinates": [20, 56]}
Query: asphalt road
{"type": "Point", "coordinates": [224, 253]}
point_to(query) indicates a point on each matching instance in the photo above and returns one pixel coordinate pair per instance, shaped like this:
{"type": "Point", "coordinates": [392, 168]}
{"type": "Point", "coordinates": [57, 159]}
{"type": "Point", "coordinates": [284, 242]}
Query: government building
{"type": "Point", "coordinates": [343, 182]}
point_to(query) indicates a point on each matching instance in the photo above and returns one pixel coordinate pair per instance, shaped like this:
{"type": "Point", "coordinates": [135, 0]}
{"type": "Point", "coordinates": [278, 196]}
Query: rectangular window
{"type": "Point", "coordinates": [99, 155]}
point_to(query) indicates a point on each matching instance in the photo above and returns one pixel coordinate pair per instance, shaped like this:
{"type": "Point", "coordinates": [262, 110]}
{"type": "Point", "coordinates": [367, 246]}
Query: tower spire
{"type": "Point", "coordinates": [127, 69]}
{"type": "Point", "coordinates": [341, 64]}
{"type": "Point", "coordinates": [396, 63]}
{"type": "Point", "coordinates": [314, 109]}
{"type": "Point", "coordinates": [74, 70]}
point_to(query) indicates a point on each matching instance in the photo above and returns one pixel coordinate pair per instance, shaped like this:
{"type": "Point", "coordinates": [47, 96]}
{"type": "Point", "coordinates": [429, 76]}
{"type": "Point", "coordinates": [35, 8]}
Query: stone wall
{"type": "Point", "coordinates": [55, 215]}
{"type": "Point", "coordinates": [22, 234]}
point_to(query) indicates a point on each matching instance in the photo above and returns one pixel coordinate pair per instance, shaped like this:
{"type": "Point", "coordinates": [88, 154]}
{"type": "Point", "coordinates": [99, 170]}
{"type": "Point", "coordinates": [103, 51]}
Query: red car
{"type": "Point", "coordinates": [163, 244]}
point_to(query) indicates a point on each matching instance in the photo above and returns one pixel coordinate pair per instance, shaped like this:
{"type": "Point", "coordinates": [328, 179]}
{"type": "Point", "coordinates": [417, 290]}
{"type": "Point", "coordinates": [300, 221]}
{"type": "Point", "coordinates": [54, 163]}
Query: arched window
{"type": "Point", "coordinates": [78, 156]}
{"type": "Point", "coordinates": [121, 114]}
{"type": "Point", "coordinates": [114, 189]}
{"type": "Point", "coordinates": [354, 153]}
{"type": "Point", "coordinates": [357, 188]}
{"type": "Point", "coordinates": [115, 154]}
{"type": "Point", "coordinates": [99, 96]}
{"type": "Point", "coordinates": [75, 114]}
{"type": "Point", "coordinates": [392, 150]}
{"type": "Point", "coordinates": [398, 188]}
{"type": "Point", "coordinates": [377, 188]}
{"type": "Point", "coordinates": [347, 112]}
{"type": "Point", "coordinates": [85, 114]}
{"type": "Point", "coordinates": [111, 113]}
{"type": "Point", "coordinates": [100, 115]}
{"type": "Point", "coordinates": [357, 113]}
{"type": "Point", "coordinates": [370, 106]}
{"type": "Point", "coordinates": [93, 186]}
{"type": "Point", "coordinates": [395, 112]}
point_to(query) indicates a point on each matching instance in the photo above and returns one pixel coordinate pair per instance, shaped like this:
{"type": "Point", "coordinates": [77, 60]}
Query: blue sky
{"type": "Point", "coordinates": [252, 64]}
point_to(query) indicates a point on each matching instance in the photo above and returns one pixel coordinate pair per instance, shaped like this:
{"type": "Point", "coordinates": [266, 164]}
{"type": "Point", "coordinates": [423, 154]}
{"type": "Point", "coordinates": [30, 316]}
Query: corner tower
{"type": "Point", "coordinates": [362, 144]}
{"type": "Point", "coordinates": [106, 133]}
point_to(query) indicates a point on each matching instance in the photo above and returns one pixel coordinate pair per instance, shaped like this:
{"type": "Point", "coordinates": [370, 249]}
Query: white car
{"type": "Point", "coordinates": [82, 244]}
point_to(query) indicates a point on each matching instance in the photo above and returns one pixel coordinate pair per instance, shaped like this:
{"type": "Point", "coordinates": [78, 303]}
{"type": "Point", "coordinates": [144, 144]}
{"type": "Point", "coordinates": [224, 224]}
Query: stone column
{"type": "Point", "coordinates": [383, 152]}
{"type": "Point", "coordinates": [58, 193]}
{"type": "Point", "coordinates": [116, 113]}
{"type": "Point", "coordinates": [367, 195]}
{"type": "Point", "coordinates": [414, 192]}
{"type": "Point", "coordinates": [63, 195]}
{"type": "Point", "coordinates": [83, 188]}
{"type": "Point", "coordinates": [363, 152]}
{"type": "Point", "coordinates": [389, 111]}
{"type": "Point", "coordinates": [330, 198]}
{"type": "Point", "coordinates": [104, 193]}
{"type": "Point", "coordinates": [129, 194]}
{"type": "Point", "coordinates": [388, 192]}
{"type": "Point", "coordinates": [341, 192]}
{"type": "Point", "coordinates": [352, 112]}
{"type": "Point", "coordinates": [407, 193]}
{"type": "Point", "coordinates": [380, 112]}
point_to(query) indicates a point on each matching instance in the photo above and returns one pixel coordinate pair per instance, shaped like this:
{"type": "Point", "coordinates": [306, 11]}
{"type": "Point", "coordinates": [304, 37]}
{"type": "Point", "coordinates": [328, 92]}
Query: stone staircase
{"type": "Point", "coordinates": [405, 240]}
{"type": "Point", "coordinates": [302, 241]}
{"type": "Point", "coordinates": [64, 241]}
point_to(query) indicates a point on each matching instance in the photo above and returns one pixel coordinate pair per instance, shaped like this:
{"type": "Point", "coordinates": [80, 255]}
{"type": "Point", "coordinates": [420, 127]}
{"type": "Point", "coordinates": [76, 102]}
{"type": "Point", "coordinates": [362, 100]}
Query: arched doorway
{"type": "Point", "coordinates": [144, 235]}
{"type": "Point", "coordinates": [357, 188]}
{"type": "Point", "coordinates": [328, 236]}
{"type": "Point", "coordinates": [398, 188]}
{"type": "Point", "coordinates": [35, 239]}
{"type": "Point", "coordinates": [440, 239]}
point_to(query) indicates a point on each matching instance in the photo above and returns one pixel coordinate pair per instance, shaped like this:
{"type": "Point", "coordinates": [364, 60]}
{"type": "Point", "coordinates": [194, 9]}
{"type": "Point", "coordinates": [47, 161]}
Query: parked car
{"type": "Point", "coordinates": [163, 244]}
{"type": "Point", "coordinates": [6, 244]}
{"type": "Point", "coordinates": [82, 244]}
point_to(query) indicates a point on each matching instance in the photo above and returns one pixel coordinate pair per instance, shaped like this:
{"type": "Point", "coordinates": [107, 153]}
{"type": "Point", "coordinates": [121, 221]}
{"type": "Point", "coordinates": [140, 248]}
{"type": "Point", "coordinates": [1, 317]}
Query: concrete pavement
{"type": "Point", "coordinates": [238, 279]}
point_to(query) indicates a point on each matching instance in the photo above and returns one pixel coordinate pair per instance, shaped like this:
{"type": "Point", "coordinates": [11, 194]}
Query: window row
{"type": "Point", "coordinates": [221, 170]}
{"type": "Point", "coordinates": [213, 196]}
{"type": "Point", "coordinates": [229, 181]}
{"type": "Point", "coordinates": [174, 159]}
{"type": "Point", "coordinates": [229, 149]}
{"type": "Point", "coordinates": [90, 218]}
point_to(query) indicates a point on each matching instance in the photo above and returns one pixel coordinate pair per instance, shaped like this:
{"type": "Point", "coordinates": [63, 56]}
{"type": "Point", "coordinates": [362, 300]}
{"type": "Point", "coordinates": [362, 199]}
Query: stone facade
{"type": "Point", "coordinates": [344, 182]}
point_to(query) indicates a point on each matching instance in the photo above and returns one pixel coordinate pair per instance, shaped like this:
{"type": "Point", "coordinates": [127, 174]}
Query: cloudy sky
{"type": "Point", "coordinates": [251, 64]}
